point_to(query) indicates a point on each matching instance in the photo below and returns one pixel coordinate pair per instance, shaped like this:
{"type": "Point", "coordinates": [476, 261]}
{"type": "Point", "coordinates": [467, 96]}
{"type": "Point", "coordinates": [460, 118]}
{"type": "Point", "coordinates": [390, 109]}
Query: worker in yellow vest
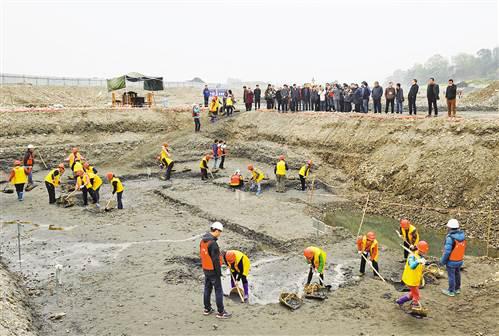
{"type": "Point", "coordinates": [18, 177]}
{"type": "Point", "coordinates": [117, 188]}
{"type": "Point", "coordinates": [367, 246]}
{"type": "Point", "coordinates": [413, 273]}
{"type": "Point", "coordinates": [166, 160]}
{"type": "Point", "coordinates": [316, 257]}
{"type": "Point", "coordinates": [239, 265]}
{"type": "Point", "coordinates": [73, 158]}
{"type": "Point", "coordinates": [257, 177]}
{"type": "Point", "coordinates": [83, 183]}
{"type": "Point", "coordinates": [303, 174]}
{"type": "Point", "coordinates": [236, 180]}
{"type": "Point", "coordinates": [280, 172]}
{"type": "Point", "coordinates": [95, 180]}
{"type": "Point", "coordinates": [203, 165]}
{"type": "Point", "coordinates": [213, 109]}
{"type": "Point", "coordinates": [409, 235]}
{"type": "Point", "coordinates": [52, 180]}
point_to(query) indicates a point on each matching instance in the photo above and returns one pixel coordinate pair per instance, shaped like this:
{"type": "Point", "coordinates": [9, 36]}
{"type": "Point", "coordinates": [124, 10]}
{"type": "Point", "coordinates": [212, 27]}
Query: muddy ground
{"type": "Point", "coordinates": [137, 272]}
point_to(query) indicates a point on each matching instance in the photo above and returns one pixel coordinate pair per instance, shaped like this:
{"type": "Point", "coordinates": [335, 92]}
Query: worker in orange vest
{"type": "Point", "coordinates": [409, 235]}
{"type": "Point", "coordinates": [18, 177]}
{"type": "Point", "coordinates": [29, 162]}
{"type": "Point", "coordinates": [211, 262]}
{"type": "Point", "coordinates": [236, 180]}
{"type": "Point", "coordinates": [367, 245]}
{"type": "Point", "coordinates": [453, 256]}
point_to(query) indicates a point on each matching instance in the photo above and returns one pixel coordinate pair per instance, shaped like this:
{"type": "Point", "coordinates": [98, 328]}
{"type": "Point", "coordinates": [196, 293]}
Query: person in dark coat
{"type": "Point", "coordinates": [270, 97]}
{"type": "Point", "coordinates": [305, 96]}
{"type": "Point", "coordinates": [376, 94]}
{"type": "Point", "coordinates": [206, 95]}
{"type": "Point", "coordinates": [390, 94]}
{"type": "Point", "coordinates": [249, 99]}
{"type": "Point", "coordinates": [411, 97]}
{"type": "Point", "coordinates": [347, 98]}
{"type": "Point", "coordinates": [257, 94]}
{"type": "Point", "coordinates": [450, 95]}
{"type": "Point", "coordinates": [278, 98]}
{"type": "Point", "coordinates": [357, 97]}
{"type": "Point", "coordinates": [432, 94]}
{"type": "Point", "coordinates": [366, 93]}
{"type": "Point", "coordinates": [399, 99]}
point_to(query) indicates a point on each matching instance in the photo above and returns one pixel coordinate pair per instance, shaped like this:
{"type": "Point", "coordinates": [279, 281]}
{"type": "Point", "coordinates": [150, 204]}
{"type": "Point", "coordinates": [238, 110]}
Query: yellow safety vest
{"type": "Point", "coordinates": [165, 157]}
{"type": "Point", "coordinates": [246, 262]}
{"type": "Point", "coordinates": [119, 186]}
{"type": "Point", "coordinates": [281, 168]}
{"type": "Point", "coordinates": [54, 180]}
{"type": "Point", "coordinates": [318, 252]}
{"type": "Point", "coordinates": [412, 277]}
{"type": "Point", "coordinates": [72, 158]}
{"type": "Point", "coordinates": [374, 243]}
{"type": "Point", "coordinates": [228, 101]}
{"type": "Point", "coordinates": [257, 175]}
{"type": "Point", "coordinates": [97, 181]}
{"type": "Point", "coordinates": [407, 234]}
{"type": "Point", "coordinates": [83, 180]}
{"type": "Point", "coordinates": [204, 163]}
{"type": "Point", "coordinates": [304, 171]}
{"type": "Point", "coordinates": [19, 175]}
{"type": "Point", "coordinates": [78, 166]}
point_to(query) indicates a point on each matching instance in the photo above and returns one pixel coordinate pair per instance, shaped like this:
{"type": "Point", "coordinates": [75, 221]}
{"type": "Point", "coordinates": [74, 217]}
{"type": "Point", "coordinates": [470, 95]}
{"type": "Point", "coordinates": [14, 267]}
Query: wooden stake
{"type": "Point", "coordinates": [488, 230]}
{"type": "Point", "coordinates": [363, 215]}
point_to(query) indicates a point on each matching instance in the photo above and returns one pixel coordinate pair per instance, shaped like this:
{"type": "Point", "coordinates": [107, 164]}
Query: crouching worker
{"type": "Point", "coordinates": [413, 273]}
{"type": "Point", "coordinates": [367, 245]}
{"type": "Point", "coordinates": [18, 177]}
{"type": "Point", "coordinates": [95, 180]}
{"type": "Point", "coordinates": [117, 188]}
{"type": "Point", "coordinates": [52, 180]}
{"type": "Point", "coordinates": [166, 161]}
{"type": "Point", "coordinates": [316, 257]}
{"type": "Point", "coordinates": [256, 179]}
{"type": "Point", "coordinates": [203, 165]}
{"type": "Point", "coordinates": [303, 174]}
{"type": "Point", "coordinates": [83, 183]}
{"type": "Point", "coordinates": [239, 265]}
{"type": "Point", "coordinates": [236, 180]}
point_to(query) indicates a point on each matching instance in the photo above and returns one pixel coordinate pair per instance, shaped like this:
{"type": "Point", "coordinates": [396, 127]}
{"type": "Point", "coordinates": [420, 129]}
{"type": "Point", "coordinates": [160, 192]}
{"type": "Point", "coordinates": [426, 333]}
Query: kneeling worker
{"type": "Point", "coordinates": [367, 245]}
{"type": "Point", "coordinates": [413, 273]}
{"type": "Point", "coordinates": [316, 257]}
{"type": "Point", "coordinates": [53, 180]}
{"type": "Point", "coordinates": [239, 265]}
{"type": "Point", "coordinates": [236, 180]}
{"type": "Point", "coordinates": [303, 173]}
{"type": "Point", "coordinates": [117, 188]}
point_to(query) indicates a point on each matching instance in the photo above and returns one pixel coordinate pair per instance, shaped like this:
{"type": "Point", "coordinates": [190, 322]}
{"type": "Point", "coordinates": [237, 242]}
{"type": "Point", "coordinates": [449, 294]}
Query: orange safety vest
{"type": "Point", "coordinates": [206, 261]}
{"type": "Point", "coordinates": [457, 253]}
{"type": "Point", "coordinates": [235, 180]}
{"type": "Point", "coordinates": [29, 161]}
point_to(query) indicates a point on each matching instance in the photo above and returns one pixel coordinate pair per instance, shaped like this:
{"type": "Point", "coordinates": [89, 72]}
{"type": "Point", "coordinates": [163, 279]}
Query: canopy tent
{"type": "Point", "coordinates": [150, 83]}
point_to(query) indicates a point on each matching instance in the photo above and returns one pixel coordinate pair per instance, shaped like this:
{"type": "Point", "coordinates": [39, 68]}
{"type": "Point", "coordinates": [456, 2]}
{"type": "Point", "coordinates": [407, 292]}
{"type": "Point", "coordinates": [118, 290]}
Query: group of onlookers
{"type": "Point", "coordinates": [343, 97]}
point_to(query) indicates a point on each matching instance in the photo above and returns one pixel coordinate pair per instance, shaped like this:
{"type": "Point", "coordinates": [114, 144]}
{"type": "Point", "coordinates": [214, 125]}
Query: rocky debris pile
{"type": "Point", "coordinates": [487, 96]}
{"type": "Point", "coordinates": [16, 317]}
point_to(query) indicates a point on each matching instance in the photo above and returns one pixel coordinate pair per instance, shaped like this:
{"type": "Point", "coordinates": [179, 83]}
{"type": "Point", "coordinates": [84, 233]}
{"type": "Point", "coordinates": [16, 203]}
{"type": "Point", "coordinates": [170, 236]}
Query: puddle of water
{"type": "Point", "coordinates": [272, 275]}
{"type": "Point", "coordinates": [385, 232]}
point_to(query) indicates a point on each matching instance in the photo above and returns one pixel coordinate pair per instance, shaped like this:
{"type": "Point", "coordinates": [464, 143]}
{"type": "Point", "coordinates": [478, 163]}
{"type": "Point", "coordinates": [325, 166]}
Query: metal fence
{"type": "Point", "coordinates": [10, 79]}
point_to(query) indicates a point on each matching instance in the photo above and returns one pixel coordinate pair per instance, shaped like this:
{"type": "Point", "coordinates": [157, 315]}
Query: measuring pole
{"type": "Point", "coordinates": [19, 246]}
{"type": "Point", "coordinates": [363, 215]}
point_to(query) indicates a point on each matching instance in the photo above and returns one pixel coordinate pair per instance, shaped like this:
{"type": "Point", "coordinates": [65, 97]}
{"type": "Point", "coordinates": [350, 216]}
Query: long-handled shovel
{"type": "Point", "coordinates": [71, 194]}
{"type": "Point", "coordinates": [41, 158]}
{"type": "Point", "coordinates": [107, 205]}
{"type": "Point", "coordinates": [371, 265]}
{"type": "Point", "coordinates": [237, 287]}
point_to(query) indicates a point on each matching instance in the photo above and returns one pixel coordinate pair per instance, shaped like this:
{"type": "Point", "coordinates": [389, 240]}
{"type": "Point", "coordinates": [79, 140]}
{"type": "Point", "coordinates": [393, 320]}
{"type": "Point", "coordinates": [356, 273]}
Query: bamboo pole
{"type": "Point", "coordinates": [363, 215]}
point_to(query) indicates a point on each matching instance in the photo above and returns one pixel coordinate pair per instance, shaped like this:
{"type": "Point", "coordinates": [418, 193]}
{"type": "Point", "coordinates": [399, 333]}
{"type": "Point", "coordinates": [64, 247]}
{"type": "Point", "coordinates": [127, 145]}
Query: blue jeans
{"type": "Point", "coordinates": [377, 105]}
{"type": "Point", "coordinates": [454, 275]}
{"type": "Point", "coordinates": [365, 105]}
{"type": "Point", "coordinates": [213, 281]}
{"type": "Point", "coordinates": [322, 105]}
{"type": "Point", "coordinates": [399, 106]}
{"type": "Point", "coordinates": [258, 187]}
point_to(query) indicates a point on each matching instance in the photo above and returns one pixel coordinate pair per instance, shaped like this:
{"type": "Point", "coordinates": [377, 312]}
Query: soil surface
{"type": "Point", "coordinates": [137, 271]}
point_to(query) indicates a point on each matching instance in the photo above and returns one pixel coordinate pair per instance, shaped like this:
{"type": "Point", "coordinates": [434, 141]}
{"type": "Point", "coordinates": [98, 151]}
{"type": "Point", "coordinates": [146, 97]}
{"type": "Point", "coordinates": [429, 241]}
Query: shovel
{"type": "Point", "coordinates": [7, 191]}
{"type": "Point", "coordinates": [107, 209]}
{"type": "Point", "coordinates": [70, 194]}
{"type": "Point", "coordinates": [238, 289]}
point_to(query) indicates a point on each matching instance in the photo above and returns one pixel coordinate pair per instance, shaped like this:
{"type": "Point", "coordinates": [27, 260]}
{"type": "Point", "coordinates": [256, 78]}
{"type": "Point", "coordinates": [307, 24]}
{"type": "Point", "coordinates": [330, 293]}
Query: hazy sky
{"type": "Point", "coordinates": [269, 40]}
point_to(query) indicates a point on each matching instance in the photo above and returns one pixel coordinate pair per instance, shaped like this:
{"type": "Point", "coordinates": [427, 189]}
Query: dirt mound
{"type": "Point", "coordinates": [489, 95]}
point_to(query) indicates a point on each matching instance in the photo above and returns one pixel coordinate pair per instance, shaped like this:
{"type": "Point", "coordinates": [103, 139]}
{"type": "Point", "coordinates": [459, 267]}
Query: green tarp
{"type": "Point", "coordinates": [150, 83]}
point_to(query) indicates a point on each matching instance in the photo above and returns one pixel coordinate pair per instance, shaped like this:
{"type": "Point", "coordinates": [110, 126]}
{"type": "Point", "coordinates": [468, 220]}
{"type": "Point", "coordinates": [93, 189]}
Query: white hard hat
{"type": "Point", "coordinates": [217, 226]}
{"type": "Point", "coordinates": [453, 224]}
{"type": "Point", "coordinates": [238, 171]}
{"type": "Point", "coordinates": [30, 146]}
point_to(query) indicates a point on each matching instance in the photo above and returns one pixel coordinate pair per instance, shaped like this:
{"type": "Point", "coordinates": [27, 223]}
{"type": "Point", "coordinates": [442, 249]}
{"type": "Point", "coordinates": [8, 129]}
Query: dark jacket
{"type": "Point", "coordinates": [27, 157]}
{"type": "Point", "coordinates": [214, 253]}
{"type": "Point", "coordinates": [451, 92]}
{"type": "Point", "coordinates": [357, 96]}
{"type": "Point", "coordinates": [433, 92]}
{"type": "Point", "coordinates": [249, 97]}
{"type": "Point", "coordinates": [257, 92]}
{"type": "Point", "coordinates": [399, 96]}
{"type": "Point", "coordinates": [366, 92]}
{"type": "Point", "coordinates": [206, 92]}
{"type": "Point", "coordinates": [295, 93]}
{"type": "Point", "coordinates": [269, 94]}
{"type": "Point", "coordinates": [413, 91]}
{"type": "Point", "coordinates": [454, 235]}
{"type": "Point", "coordinates": [305, 93]}
{"type": "Point", "coordinates": [377, 92]}
{"type": "Point", "coordinates": [278, 95]}
{"type": "Point", "coordinates": [390, 93]}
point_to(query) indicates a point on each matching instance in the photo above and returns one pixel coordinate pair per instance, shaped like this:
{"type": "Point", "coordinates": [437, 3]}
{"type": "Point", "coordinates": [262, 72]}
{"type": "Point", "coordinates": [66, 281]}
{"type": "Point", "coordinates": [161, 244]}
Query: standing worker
{"type": "Point", "coordinates": [215, 153]}
{"type": "Point", "coordinates": [203, 165]}
{"type": "Point", "coordinates": [222, 153]}
{"type": "Point", "coordinates": [117, 188]}
{"type": "Point", "coordinates": [196, 115]}
{"type": "Point", "coordinates": [453, 256]}
{"type": "Point", "coordinates": [413, 273]}
{"type": "Point", "coordinates": [303, 173]}
{"type": "Point", "coordinates": [239, 265]}
{"type": "Point", "coordinates": [83, 183]}
{"type": "Point", "coordinates": [211, 262]}
{"type": "Point", "coordinates": [280, 170]}
{"type": "Point", "coordinates": [95, 180]}
{"type": "Point", "coordinates": [409, 235]}
{"type": "Point", "coordinates": [367, 245]}
{"type": "Point", "coordinates": [316, 257]}
{"type": "Point", "coordinates": [53, 180]}
{"type": "Point", "coordinates": [256, 179]}
{"type": "Point", "coordinates": [29, 162]}
{"type": "Point", "coordinates": [166, 161]}
{"type": "Point", "coordinates": [18, 177]}
{"type": "Point", "coordinates": [206, 95]}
